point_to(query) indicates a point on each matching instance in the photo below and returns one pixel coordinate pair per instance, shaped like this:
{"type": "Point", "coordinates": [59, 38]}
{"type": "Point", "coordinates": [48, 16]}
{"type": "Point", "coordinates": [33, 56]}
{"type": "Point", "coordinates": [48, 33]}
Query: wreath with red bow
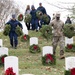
{"type": "Point", "coordinates": [25, 38]}
{"type": "Point", "coordinates": [70, 72]}
{"type": "Point", "coordinates": [34, 49]}
{"type": "Point", "coordinates": [70, 48]}
{"type": "Point", "coordinates": [20, 17]}
{"type": "Point", "coordinates": [48, 59]}
{"type": "Point", "coordinates": [2, 59]}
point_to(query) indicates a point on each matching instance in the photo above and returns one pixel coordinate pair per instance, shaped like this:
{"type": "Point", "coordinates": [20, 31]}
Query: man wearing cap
{"type": "Point", "coordinates": [12, 34]}
{"type": "Point", "coordinates": [57, 25]}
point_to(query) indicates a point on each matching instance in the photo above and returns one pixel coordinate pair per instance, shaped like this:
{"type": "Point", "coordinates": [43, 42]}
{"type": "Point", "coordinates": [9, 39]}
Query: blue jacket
{"type": "Point", "coordinates": [42, 9]}
{"type": "Point", "coordinates": [14, 24]}
{"type": "Point", "coordinates": [33, 14]}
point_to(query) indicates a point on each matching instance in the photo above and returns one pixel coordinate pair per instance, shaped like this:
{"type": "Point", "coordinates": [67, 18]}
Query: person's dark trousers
{"type": "Point", "coordinates": [41, 23]}
{"type": "Point", "coordinates": [13, 39]}
{"type": "Point", "coordinates": [28, 26]}
{"type": "Point", "coordinates": [36, 24]}
{"type": "Point", "coordinates": [33, 24]}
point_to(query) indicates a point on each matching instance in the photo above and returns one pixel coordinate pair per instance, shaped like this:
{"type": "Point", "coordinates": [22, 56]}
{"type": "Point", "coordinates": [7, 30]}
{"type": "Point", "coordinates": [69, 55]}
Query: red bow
{"type": "Point", "coordinates": [69, 46]}
{"type": "Point", "coordinates": [35, 47]}
{"type": "Point", "coordinates": [9, 71]}
{"type": "Point", "coordinates": [49, 57]}
{"type": "Point", "coordinates": [73, 71]}
{"type": "Point", "coordinates": [25, 37]}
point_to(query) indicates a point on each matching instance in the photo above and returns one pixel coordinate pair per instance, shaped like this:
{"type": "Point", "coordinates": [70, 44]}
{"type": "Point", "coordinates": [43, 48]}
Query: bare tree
{"type": "Point", "coordinates": [73, 13]}
{"type": "Point", "coordinates": [6, 9]}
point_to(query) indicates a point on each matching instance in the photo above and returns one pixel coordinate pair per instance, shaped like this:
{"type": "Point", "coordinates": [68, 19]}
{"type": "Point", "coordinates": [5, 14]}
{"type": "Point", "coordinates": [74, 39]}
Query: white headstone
{"type": "Point", "coordinates": [11, 61]}
{"type": "Point", "coordinates": [69, 63]}
{"type": "Point", "coordinates": [23, 24]}
{"type": "Point", "coordinates": [33, 40]}
{"type": "Point", "coordinates": [3, 50]}
{"type": "Point", "coordinates": [1, 30]}
{"type": "Point", "coordinates": [68, 41]}
{"type": "Point", "coordinates": [25, 31]}
{"type": "Point", "coordinates": [1, 42]}
{"type": "Point", "coordinates": [47, 50]}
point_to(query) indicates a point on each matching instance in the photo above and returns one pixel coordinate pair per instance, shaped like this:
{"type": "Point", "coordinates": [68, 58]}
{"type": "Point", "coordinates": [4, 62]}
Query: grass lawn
{"type": "Point", "coordinates": [31, 63]}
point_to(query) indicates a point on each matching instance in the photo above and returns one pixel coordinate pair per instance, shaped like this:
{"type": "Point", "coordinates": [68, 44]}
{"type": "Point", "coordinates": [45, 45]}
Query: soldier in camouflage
{"type": "Point", "coordinates": [57, 25]}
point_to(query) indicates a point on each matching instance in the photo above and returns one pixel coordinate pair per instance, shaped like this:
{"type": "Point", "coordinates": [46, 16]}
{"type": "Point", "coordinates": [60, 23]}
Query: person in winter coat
{"type": "Point", "coordinates": [34, 20]}
{"type": "Point", "coordinates": [41, 8]}
{"type": "Point", "coordinates": [68, 21]}
{"type": "Point", "coordinates": [12, 34]}
{"type": "Point", "coordinates": [27, 11]}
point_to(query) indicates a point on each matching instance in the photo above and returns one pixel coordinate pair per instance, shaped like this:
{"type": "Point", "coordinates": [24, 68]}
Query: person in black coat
{"type": "Point", "coordinates": [68, 21]}
{"type": "Point", "coordinates": [12, 34]}
{"type": "Point", "coordinates": [34, 20]}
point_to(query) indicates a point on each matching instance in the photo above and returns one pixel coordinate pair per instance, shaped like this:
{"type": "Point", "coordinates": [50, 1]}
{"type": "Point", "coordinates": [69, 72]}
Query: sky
{"type": "Point", "coordinates": [51, 6]}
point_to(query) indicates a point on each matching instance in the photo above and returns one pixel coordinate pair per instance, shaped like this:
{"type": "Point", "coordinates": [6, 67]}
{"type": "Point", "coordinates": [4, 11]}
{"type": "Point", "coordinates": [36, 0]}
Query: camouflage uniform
{"type": "Point", "coordinates": [58, 35]}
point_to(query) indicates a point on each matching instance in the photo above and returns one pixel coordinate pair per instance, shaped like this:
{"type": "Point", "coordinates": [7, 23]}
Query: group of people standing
{"type": "Point", "coordinates": [56, 23]}
{"type": "Point", "coordinates": [35, 22]}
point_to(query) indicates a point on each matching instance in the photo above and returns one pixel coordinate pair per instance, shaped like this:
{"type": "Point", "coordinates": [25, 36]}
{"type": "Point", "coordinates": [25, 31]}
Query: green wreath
{"type": "Point", "coordinates": [45, 18]}
{"type": "Point", "coordinates": [67, 72]}
{"type": "Point", "coordinates": [46, 32]}
{"type": "Point", "coordinates": [27, 18]}
{"type": "Point", "coordinates": [39, 14]}
{"type": "Point", "coordinates": [18, 31]}
{"type": "Point", "coordinates": [48, 60]}
{"type": "Point", "coordinates": [25, 38]}
{"type": "Point", "coordinates": [20, 17]}
{"type": "Point", "coordinates": [68, 31]}
{"type": "Point", "coordinates": [70, 71]}
{"type": "Point", "coordinates": [34, 49]}
{"type": "Point", "coordinates": [70, 48]}
{"type": "Point", "coordinates": [2, 59]}
{"type": "Point", "coordinates": [6, 30]}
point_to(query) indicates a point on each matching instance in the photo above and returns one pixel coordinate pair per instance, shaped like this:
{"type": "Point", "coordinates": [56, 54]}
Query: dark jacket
{"type": "Point", "coordinates": [42, 9]}
{"type": "Point", "coordinates": [33, 14]}
{"type": "Point", "coordinates": [68, 21]}
{"type": "Point", "coordinates": [14, 24]}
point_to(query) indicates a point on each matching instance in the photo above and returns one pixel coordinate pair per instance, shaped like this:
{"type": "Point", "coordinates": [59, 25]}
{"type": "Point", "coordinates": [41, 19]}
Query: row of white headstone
{"type": "Point", "coordinates": [67, 40]}
{"type": "Point", "coordinates": [12, 61]}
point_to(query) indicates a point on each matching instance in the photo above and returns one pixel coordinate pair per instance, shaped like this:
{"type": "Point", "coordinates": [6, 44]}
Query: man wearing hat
{"type": "Point", "coordinates": [12, 34]}
{"type": "Point", "coordinates": [57, 25]}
